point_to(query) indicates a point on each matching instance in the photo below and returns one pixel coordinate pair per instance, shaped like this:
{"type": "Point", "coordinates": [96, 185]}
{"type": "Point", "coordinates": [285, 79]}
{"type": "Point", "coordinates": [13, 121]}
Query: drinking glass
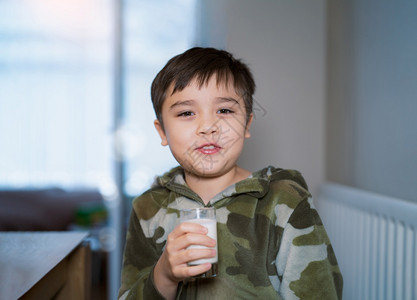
{"type": "Point", "coordinates": [205, 216]}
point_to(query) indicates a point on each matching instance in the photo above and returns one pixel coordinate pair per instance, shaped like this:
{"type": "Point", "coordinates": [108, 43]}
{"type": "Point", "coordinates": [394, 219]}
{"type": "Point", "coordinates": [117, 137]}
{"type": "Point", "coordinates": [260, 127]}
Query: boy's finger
{"type": "Point", "coordinates": [188, 227]}
{"type": "Point", "coordinates": [188, 234]}
{"type": "Point", "coordinates": [200, 242]}
{"type": "Point", "coordinates": [190, 239]}
{"type": "Point", "coordinates": [181, 259]}
{"type": "Point", "coordinates": [190, 255]}
{"type": "Point", "coordinates": [191, 271]}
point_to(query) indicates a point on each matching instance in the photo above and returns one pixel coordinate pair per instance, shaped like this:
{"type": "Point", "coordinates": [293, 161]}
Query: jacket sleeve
{"type": "Point", "coordinates": [139, 258]}
{"type": "Point", "coordinates": [306, 263]}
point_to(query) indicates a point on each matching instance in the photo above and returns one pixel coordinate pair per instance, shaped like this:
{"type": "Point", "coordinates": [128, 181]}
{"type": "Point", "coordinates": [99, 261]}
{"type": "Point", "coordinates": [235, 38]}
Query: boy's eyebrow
{"type": "Point", "coordinates": [191, 102]}
{"type": "Point", "coordinates": [227, 99]}
{"type": "Point", "coordinates": [180, 103]}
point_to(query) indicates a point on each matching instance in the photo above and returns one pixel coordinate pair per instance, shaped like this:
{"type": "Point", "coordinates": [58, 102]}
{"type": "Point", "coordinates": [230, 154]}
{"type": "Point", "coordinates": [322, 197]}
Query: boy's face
{"type": "Point", "coordinates": [204, 127]}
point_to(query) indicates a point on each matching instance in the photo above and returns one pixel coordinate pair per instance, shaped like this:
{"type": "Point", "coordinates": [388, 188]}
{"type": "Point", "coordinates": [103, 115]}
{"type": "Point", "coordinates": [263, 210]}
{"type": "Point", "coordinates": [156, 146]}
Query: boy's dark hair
{"type": "Point", "coordinates": [201, 64]}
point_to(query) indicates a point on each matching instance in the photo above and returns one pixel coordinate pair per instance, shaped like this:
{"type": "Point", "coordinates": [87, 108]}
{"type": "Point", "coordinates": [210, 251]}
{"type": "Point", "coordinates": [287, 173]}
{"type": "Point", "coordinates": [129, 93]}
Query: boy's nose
{"type": "Point", "coordinates": [208, 127]}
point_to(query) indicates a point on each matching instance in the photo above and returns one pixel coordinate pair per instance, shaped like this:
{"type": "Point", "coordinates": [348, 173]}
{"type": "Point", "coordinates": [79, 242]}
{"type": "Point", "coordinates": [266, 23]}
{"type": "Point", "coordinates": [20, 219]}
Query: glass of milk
{"type": "Point", "coordinates": [205, 216]}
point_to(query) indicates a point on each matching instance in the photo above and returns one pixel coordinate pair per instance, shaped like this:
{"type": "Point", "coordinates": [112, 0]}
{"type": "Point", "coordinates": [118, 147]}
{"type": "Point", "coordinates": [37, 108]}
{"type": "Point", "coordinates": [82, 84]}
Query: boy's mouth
{"type": "Point", "coordinates": [209, 148]}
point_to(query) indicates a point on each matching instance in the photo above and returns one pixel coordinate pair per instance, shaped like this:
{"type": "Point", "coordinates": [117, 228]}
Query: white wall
{"type": "Point", "coordinates": [372, 96]}
{"type": "Point", "coordinates": [284, 44]}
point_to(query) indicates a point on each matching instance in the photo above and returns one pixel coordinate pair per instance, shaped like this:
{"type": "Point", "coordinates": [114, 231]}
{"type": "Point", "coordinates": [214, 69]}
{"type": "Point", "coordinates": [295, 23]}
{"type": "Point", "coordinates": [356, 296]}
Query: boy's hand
{"type": "Point", "coordinates": [172, 267]}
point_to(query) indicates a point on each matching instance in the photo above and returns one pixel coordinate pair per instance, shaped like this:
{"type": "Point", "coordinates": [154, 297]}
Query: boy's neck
{"type": "Point", "coordinates": [208, 187]}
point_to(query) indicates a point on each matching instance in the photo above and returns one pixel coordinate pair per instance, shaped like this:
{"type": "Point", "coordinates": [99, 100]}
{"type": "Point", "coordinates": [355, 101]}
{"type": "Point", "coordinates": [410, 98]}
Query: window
{"type": "Point", "coordinates": [56, 95]}
{"type": "Point", "coordinates": [154, 32]}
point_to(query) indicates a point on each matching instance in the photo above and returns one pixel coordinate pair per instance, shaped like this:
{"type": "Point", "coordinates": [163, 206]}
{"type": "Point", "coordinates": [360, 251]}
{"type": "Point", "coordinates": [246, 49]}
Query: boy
{"type": "Point", "coordinates": [271, 242]}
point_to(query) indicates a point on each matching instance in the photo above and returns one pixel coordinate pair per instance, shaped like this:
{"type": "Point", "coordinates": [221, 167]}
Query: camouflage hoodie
{"type": "Point", "coordinates": [271, 241]}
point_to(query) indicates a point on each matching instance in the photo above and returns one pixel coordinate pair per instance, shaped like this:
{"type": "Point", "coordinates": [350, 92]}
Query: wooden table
{"type": "Point", "coordinates": [44, 265]}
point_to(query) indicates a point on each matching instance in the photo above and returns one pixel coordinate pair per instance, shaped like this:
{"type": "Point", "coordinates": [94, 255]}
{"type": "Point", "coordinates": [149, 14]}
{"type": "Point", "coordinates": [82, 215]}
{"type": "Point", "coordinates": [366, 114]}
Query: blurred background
{"type": "Point", "coordinates": [336, 99]}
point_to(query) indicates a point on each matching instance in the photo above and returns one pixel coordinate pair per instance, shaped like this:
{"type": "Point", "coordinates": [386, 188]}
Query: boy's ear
{"type": "Point", "coordinates": [248, 124]}
{"type": "Point", "coordinates": [161, 132]}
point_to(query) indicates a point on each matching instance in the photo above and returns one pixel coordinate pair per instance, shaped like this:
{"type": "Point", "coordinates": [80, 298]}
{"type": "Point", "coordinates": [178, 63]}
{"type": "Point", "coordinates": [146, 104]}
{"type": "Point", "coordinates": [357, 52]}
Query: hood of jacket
{"type": "Point", "coordinates": [256, 185]}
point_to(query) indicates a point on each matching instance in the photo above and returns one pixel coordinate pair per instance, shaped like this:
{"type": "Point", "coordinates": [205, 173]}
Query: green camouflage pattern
{"type": "Point", "coordinates": [271, 241]}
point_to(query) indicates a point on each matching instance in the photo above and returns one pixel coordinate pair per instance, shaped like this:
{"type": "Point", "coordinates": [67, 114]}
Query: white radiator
{"type": "Point", "coordinates": [375, 241]}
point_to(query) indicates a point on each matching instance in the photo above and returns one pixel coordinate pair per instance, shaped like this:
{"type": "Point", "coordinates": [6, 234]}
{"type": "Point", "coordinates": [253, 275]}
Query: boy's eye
{"type": "Point", "coordinates": [225, 111]}
{"type": "Point", "coordinates": [186, 114]}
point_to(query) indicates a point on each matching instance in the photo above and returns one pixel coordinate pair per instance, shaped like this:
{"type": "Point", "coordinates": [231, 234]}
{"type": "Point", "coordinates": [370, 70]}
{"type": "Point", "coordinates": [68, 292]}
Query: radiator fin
{"type": "Point", "coordinates": [375, 241]}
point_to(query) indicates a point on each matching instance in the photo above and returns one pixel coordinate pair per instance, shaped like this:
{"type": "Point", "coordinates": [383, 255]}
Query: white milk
{"type": "Point", "coordinates": [210, 224]}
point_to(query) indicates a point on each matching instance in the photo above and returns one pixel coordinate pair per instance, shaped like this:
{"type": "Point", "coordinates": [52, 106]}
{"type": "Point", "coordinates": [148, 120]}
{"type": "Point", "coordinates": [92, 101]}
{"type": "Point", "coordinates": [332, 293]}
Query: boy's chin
{"type": "Point", "coordinates": [211, 171]}
{"type": "Point", "coordinates": [201, 173]}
